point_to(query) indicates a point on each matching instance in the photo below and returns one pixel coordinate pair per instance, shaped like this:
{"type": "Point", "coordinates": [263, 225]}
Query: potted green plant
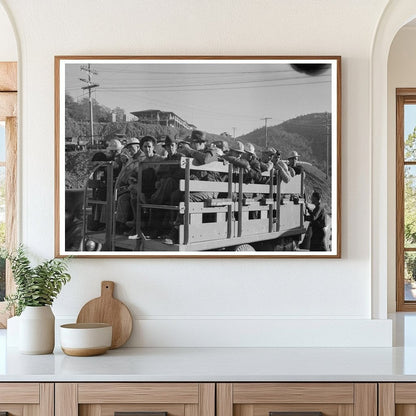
{"type": "Point", "coordinates": [36, 289]}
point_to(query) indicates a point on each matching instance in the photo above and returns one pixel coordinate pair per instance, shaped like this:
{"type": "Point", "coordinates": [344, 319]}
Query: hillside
{"type": "Point", "coordinates": [315, 180]}
{"type": "Point", "coordinates": [306, 134]}
{"type": "Point", "coordinates": [107, 130]}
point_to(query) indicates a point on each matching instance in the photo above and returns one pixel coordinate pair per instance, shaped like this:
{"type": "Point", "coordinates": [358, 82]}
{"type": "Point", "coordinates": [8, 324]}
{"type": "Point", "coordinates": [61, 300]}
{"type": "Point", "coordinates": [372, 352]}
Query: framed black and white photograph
{"type": "Point", "coordinates": [198, 156]}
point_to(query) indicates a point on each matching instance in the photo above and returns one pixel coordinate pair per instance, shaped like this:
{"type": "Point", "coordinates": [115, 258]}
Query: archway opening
{"type": "Point", "coordinates": [401, 133]}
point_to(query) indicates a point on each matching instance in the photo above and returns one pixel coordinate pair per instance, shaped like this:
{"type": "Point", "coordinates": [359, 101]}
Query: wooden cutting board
{"type": "Point", "coordinates": [108, 310]}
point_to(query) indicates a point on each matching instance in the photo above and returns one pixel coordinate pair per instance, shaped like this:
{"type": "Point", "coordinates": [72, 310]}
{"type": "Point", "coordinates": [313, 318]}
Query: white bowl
{"type": "Point", "coordinates": [84, 340]}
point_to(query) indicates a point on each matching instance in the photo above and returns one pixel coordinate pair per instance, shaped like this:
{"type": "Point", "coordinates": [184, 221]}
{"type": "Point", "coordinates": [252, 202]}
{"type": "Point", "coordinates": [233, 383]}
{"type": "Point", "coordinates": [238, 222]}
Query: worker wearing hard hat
{"type": "Point", "coordinates": [294, 167]}
{"type": "Point", "coordinates": [281, 167]}
{"type": "Point", "coordinates": [113, 149]}
{"type": "Point", "coordinates": [113, 152]}
{"type": "Point", "coordinates": [114, 145]}
{"type": "Point", "coordinates": [266, 163]}
{"type": "Point", "coordinates": [234, 156]}
{"type": "Point", "coordinates": [254, 173]}
{"type": "Point", "coordinates": [133, 147]}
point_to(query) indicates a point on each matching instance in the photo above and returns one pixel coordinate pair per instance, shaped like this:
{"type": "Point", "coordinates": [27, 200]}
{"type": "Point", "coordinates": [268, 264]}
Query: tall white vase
{"type": "Point", "coordinates": [37, 330]}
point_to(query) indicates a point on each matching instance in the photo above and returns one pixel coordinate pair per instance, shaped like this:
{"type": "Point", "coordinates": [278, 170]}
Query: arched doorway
{"type": "Point", "coordinates": [401, 124]}
{"type": "Point", "coordinates": [396, 15]}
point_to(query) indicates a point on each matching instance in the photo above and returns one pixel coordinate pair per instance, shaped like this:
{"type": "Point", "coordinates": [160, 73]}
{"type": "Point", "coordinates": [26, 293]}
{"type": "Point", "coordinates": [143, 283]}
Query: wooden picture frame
{"type": "Point", "coordinates": [202, 201]}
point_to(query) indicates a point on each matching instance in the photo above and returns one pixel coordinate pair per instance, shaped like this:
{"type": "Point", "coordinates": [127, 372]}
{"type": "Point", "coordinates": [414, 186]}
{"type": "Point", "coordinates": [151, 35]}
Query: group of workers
{"type": "Point", "coordinates": [160, 182]}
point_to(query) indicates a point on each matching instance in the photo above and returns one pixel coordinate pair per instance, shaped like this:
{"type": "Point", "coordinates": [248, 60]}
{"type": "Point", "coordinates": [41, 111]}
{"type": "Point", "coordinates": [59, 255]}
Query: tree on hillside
{"type": "Point", "coordinates": [80, 111]}
{"type": "Point", "coordinates": [120, 113]}
{"type": "Point", "coordinates": [410, 191]}
{"type": "Point", "coordinates": [410, 146]}
{"type": "Point", "coordinates": [410, 205]}
{"type": "Point", "coordinates": [73, 110]}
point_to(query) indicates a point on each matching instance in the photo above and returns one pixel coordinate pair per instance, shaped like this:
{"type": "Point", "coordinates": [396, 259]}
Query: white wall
{"type": "Point", "coordinates": [8, 46]}
{"type": "Point", "coordinates": [401, 74]}
{"type": "Point", "coordinates": [212, 302]}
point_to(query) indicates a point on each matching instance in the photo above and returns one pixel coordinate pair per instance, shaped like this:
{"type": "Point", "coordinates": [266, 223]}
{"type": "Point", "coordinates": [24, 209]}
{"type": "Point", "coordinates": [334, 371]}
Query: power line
{"type": "Point", "coordinates": [213, 89]}
{"type": "Point", "coordinates": [182, 73]}
{"type": "Point", "coordinates": [169, 88]}
{"type": "Point", "coordinates": [158, 86]}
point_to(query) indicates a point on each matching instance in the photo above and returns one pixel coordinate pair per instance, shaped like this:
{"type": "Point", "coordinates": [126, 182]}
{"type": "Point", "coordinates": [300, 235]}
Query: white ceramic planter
{"type": "Point", "coordinates": [37, 330]}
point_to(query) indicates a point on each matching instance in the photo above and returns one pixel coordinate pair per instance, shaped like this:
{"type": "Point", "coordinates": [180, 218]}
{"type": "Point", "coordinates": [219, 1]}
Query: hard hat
{"type": "Point", "coordinates": [133, 140]}
{"type": "Point", "coordinates": [269, 151]}
{"type": "Point", "coordinates": [249, 148]}
{"type": "Point", "coordinates": [114, 144]}
{"type": "Point", "coordinates": [293, 154]}
{"type": "Point", "coordinates": [237, 147]}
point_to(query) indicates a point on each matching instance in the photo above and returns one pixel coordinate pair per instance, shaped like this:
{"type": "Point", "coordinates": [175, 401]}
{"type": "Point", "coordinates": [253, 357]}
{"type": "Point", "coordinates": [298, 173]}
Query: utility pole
{"type": "Point", "coordinates": [265, 126]}
{"type": "Point", "coordinates": [90, 85]}
{"type": "Point", "coordinates": [234, 129]}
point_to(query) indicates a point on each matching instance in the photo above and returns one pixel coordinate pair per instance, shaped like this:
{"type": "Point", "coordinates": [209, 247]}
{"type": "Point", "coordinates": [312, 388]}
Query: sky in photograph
{"type": "Point", "coordinates": [214, 97]}
{"type": "Point", "coordinates": [409, 119]}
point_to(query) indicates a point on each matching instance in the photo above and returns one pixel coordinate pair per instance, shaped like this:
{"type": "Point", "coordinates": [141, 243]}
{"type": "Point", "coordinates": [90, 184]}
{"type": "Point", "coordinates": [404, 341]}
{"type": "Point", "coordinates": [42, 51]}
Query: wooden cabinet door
{"type": "Point", "coordinates": [297, 399]}
{"type": "Point", "coordinates": [143, 399]}
{"type": "Point", "coordinates": [397, 399]}
{"type": "Point", "coordinates": [26, 399]}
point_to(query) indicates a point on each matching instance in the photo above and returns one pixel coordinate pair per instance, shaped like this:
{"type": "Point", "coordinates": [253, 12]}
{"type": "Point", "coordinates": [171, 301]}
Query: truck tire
{"type": "Point", "coordinates": [285, 244]}
{"type": "Point", "coordinates": [291, 246]}
{"type": "Point", "coordinates": [244, 247]}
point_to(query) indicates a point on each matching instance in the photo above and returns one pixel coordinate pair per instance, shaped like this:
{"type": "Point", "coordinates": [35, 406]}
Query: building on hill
{"type": "Point", "coordinates": [164, 118]}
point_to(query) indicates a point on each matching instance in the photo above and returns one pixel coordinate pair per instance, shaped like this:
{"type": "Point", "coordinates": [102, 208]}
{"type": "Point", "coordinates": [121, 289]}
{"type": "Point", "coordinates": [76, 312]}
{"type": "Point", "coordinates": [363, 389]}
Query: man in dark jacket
{"type": "Point", "coordinates": [168, 175]}
{"type": "Point", "coordinates": [318, 223]}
